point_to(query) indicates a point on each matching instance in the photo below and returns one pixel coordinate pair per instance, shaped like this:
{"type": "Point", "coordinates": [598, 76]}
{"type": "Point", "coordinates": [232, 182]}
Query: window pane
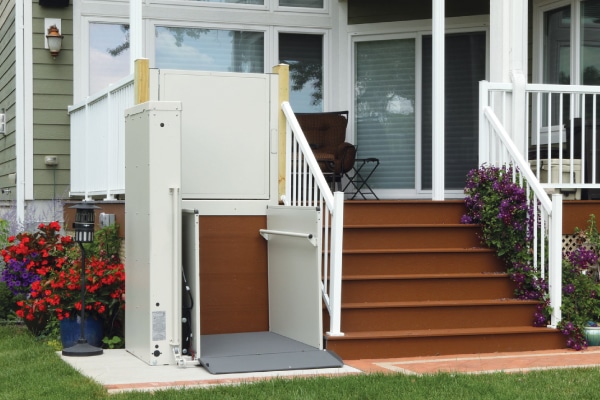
{"type": "Point", "coordinates": [465, 67]}
{"type": "Point", "coordinates": [209, 49]}
{"type": "Point", "coordinates": [109, 54]}
{"type": "Point", "coordinates": [590, 51]}
{"type": "Point", "coordinates": [557, 59]}
{"type": "Point", "coordinates": [385, 110]}
{"type": "Point", "coordinates": [557, 46]}
{"type": "Point", "coordinates": [304, 55]}
{"type": "Point", "coordinates": [301, 3]}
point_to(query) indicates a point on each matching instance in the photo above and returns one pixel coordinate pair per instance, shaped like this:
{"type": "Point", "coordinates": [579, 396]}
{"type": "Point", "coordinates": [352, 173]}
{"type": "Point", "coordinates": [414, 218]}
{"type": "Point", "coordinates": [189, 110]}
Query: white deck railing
{"type": "Point", "coordinates": [98, 142]}
{"type": "Point", "coordinates": [561, 126]}
{"type": "Point", "coordinates": [306, 186]}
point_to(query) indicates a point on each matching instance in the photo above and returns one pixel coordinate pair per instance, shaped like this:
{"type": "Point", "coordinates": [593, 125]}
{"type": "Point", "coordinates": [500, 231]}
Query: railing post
{"type": "Point", "coordinates": [484, 136]}
{"type": "Point", "coordinates": [555, 260]}
{"type": "Point", "coordinates": [335, 278]}
{"type": "Point", "coordinates": [141, 81]}
{"type": "Point", "coordinates": [283, 70]}
{"type": "Point", "coordinates": [518, 110]}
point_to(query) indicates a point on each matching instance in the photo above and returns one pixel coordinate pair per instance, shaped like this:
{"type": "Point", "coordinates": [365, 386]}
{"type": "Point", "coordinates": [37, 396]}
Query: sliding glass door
{"type": "Point", "coordinates": [393, 110]}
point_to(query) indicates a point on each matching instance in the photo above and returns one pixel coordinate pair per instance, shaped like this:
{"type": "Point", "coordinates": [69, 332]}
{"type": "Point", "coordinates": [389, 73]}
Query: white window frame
{"type": "Point", "coordinates": [81, 69]}
{"type": "Point", "coordinates": [575, 77]}
{"type": "Point", "coordinates": [327, 78]}
{"type": "Point", "coordinates": [151, 36]}
{"type": "Point", "coordinates": [189, 13]}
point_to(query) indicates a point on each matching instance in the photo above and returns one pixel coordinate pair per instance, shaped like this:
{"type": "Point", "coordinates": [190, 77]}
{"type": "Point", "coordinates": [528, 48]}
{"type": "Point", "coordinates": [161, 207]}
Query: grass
{"type": "Point", "coordinates": [30, 369]}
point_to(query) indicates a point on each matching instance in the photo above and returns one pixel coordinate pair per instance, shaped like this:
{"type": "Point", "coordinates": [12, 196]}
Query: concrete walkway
{"type": "Point", "coordinates": [118, 370]}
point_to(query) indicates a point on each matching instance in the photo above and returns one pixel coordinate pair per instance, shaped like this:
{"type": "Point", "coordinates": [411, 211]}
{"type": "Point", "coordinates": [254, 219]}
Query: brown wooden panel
{"type": "Point", "coordinates": [233, 275]}
{"type": "Point", "coordinates": [117, 208]}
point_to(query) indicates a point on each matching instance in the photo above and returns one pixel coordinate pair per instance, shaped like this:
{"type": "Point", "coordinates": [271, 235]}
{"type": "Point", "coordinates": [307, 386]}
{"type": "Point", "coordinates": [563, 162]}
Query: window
{"type": "Point", "coordinates": [385, 109]}
{"type": "Point", "coordinates": [209, 49]}
{"type": "Point", "coordinates": [304, 54]}
{"type": "Point", "coordinates": [568, 58]}
{"type": "Point", "coordinates": [109, 54]}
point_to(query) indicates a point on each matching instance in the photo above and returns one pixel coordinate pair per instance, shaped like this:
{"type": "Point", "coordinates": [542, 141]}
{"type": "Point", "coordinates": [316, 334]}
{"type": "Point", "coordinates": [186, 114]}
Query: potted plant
{"type": "Point", "coordinates": [581, 289]}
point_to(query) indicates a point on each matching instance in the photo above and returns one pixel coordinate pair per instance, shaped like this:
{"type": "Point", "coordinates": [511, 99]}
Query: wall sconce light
{"type": "Point", "coordinates": [54, 40]}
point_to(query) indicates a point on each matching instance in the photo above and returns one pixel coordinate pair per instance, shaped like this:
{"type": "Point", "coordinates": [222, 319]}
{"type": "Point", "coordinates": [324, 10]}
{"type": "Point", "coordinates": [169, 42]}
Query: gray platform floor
{"type": "Point", "coordinates": [259, 352]}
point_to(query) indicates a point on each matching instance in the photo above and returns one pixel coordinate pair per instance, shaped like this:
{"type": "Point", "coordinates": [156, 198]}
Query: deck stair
{"type": "Point", "coordinates": [416, 282]}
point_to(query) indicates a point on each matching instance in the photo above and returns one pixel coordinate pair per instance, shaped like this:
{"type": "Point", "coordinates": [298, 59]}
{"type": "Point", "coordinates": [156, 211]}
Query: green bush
{"type": "Point", "coordinates": [7, 303]}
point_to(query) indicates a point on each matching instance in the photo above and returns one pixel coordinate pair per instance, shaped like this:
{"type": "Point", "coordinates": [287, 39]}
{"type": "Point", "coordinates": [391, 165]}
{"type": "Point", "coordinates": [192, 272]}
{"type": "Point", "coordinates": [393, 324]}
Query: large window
{"type": "Point", "coordinates": [109, 54]}
{"type": "Point", "coordinates": [394, 122]}
{"type": "Point", "coordinates": [209, 49]}
{"type": "Point", "coordinates": [304, 54]}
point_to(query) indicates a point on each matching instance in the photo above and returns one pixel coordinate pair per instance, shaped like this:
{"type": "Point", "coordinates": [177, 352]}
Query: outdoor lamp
{"type": "Point", "coordinates": [84, 233]}
{"type": "Point", "coordinates": [54, 40]}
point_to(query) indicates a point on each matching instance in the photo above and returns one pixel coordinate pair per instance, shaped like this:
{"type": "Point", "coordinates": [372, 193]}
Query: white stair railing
{"type": "Point", "coordinates": [498, 149]}
{"type": "Point", "coordinates": [306, 186]}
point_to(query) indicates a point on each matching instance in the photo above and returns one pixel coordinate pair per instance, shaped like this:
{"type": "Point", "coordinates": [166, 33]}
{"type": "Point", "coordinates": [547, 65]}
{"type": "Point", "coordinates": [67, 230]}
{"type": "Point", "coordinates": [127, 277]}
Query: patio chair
{"type": "Point", "coordinates": [326, 135]}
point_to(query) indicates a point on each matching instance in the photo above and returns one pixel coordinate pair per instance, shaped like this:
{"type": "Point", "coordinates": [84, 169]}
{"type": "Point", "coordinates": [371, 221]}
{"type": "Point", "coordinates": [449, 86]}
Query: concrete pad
{"type": "Point", "coordinates": [119, 370]}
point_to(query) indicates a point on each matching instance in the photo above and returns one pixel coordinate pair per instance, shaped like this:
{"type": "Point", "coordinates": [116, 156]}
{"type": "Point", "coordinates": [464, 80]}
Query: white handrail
{"type": "Point", "coordinates": [306, 186]}
{"type": "Point", "coordinates": [497, 148]}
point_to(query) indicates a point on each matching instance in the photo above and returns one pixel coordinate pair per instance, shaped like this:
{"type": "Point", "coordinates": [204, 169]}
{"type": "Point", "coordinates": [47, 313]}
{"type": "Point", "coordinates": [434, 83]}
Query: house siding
{"type": "Point", "coordinates": [373, 11]}
{"type": "Point", "coordinates": [52, 94]}
{"type": "Point", "coordinates": [7, 92]}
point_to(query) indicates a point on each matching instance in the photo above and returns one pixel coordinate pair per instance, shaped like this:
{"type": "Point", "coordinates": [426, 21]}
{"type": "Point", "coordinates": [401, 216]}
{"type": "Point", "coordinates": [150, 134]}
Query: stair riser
{"type": "Point", "coordinates": [394, 290]}
{"type": "Point", "coordinates": [421, 263]}
{"type": "Point", "coordinates": [418, 212]}
{"type": "Point", "coordinates": [435, 346]}
{"type": "Point", "coordinates": [461, 236]}
{"type": "Point", "coordinates": [449, 317]}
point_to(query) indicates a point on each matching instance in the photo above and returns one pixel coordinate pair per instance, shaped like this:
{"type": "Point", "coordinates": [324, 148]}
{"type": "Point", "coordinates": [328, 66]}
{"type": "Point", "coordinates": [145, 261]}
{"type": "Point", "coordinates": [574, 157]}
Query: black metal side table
{"type": "Point", "coordinates": [359, 176]}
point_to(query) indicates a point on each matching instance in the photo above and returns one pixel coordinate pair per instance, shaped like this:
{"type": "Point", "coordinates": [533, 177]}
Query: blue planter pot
{"type": "Point", "coordinates": [70, 331]}
{"type": "Point", "coordinates": [592, 335]}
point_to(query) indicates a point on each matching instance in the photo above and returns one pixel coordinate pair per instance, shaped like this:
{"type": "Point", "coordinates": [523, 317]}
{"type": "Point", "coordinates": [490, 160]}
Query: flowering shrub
{"type": "Point", "coordinates": [496, 202]}
{"type": "Point", "coordinates": [28, 258]}
{"type": "Point", "coordinates": [581, 287]}
{"type": "Point", "coordinates": [46, 267]}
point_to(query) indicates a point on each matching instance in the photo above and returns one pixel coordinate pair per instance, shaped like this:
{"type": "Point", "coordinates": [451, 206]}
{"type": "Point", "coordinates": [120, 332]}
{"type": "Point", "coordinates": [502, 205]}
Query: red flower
{"type": "Point", "coordinates": [57, 263]}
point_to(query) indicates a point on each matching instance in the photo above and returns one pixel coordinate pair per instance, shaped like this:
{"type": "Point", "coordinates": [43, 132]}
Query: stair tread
{"type": "Point", "coordinates": [500, 275]}
{"type": "Point", "coordinates": [408, 226]}
{"type": "Point", "coordinates": [437, 303]}
{"type": "Point", "coordinates": [421, 250]}
{"type": "Point", "coordinates": [443, 332]}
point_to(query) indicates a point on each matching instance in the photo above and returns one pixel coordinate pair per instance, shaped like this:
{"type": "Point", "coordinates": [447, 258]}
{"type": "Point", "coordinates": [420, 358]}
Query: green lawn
{"type": "Point", "coordinates": [30, 369]}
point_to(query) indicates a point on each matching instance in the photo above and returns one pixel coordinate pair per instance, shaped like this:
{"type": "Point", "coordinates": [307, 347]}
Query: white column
{"type": "Point", "coordinates": [136, 41]}
{"type": "Point", "coordinates": [438, 96]}
{"type": "Point", "coordinates": [508, 58]}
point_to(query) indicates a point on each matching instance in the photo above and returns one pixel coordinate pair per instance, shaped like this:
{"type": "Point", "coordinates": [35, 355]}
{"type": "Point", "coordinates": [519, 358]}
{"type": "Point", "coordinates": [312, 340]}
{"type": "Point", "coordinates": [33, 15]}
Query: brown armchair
{"type": "Point", "coordinates": [326, 135]}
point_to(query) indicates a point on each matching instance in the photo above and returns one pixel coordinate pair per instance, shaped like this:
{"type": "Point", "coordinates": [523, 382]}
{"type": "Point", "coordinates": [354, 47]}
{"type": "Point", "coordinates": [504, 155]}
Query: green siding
{"type": "Point", "coordinates": [52, 94]}
{"type": "Point", "coordinates": [7, 91]}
